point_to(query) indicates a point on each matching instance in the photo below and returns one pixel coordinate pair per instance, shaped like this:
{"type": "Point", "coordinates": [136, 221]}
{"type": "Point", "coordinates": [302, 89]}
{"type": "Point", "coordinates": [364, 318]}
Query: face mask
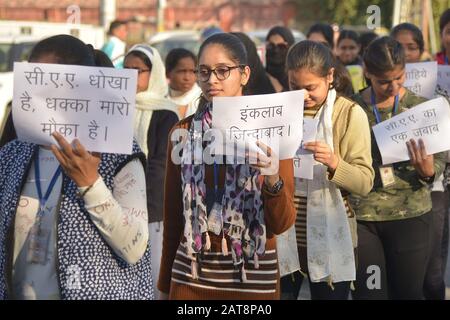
{"type": "Point", "coordinates": [276, 55]}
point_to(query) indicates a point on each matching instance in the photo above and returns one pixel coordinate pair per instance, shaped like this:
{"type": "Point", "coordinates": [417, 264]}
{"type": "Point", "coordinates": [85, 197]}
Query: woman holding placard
{"type": "Point", "coordinates": [220, 220]}
{"type": "Point", "coordinates": [411, 39]}
{"type": "Point", "coordinates": [394, 220]}
{"type": "Point", "coordinates": [325, 224]}
{"type": "Point", "coordinates": [63, 210]}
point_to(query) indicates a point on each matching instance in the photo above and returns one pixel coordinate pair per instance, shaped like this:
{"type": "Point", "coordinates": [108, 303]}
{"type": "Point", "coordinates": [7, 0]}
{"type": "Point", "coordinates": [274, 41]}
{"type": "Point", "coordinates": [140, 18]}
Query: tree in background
{"type": "Point", "coordinates": [348, 12]}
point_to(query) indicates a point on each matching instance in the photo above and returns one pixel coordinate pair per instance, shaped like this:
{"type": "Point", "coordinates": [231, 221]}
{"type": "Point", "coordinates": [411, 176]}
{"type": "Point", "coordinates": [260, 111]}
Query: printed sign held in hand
{"type": "Point", "coordinates": [94, 105]}
{"type": "Point", "coordinates": [429, 121]}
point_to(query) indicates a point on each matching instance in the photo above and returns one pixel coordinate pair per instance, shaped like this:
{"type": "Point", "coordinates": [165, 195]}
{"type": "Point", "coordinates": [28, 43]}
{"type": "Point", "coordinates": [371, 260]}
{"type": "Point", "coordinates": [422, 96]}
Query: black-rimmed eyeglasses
{"type": "Point", "coordinates": [221, 73]}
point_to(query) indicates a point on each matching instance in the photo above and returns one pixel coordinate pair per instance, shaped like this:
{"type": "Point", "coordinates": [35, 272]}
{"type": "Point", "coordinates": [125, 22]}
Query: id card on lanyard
{"type": "Point", "coordinates": [386, 172]}
{"type": "Point", "coordinates": [39, 236]}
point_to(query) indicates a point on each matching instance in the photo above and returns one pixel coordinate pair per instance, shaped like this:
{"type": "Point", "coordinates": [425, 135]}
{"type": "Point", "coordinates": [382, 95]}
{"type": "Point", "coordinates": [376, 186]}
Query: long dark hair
{"type": "Point", "coordinates": [318, 59]}
{"type": "Point", "coordinates": [259, 82]}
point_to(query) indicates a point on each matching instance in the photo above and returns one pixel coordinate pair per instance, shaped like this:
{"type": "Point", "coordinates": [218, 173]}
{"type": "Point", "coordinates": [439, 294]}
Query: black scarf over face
{"type": "Point", "coordinates": [275, 61]}
{"type": "Point", "coordinates": [276, 55]}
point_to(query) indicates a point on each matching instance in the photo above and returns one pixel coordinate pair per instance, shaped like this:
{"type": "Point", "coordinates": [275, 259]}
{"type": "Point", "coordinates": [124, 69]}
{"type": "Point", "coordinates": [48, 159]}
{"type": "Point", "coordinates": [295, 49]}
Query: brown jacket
{"type": "Point", "coordinates": [279, 214]}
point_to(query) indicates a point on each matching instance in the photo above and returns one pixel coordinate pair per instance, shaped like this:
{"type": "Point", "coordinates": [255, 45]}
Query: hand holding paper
{"type": "Point", "coordinates": [304, 159]}
{"type": "Point", "coordinates": [323, 154]}
{"type": "Point", "coordinates": [80, 165]}
{"type": "Point", "coordinates": [275, 119]}
{"type": "Point", "coordinates": [267, 162]}
{"type": "Point", "coordinates": [423, 163]}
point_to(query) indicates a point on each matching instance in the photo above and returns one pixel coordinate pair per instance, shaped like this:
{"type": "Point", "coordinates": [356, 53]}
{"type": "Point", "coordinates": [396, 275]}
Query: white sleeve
{"type": "Point", "coordinates": [121, 216]}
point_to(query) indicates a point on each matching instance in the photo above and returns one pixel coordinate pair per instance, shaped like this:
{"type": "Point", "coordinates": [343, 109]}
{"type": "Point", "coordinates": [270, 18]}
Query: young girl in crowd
{"type": "Point", "coordinates": [220, 220]}
{"type": "Point", "coordinates": [443, 57]}
{"type": "Point", "coordinates": [411, 39]}
{"type": "Point", "coordinates": [348, 47]}
{"type": "Point", "coordinates": [155, 115]}
{"type": "Point", "coordinates": [323, 33]}
{"type": "Point", "coordinates": [394, 220]}
{"type": "Point", "coordinates": [62, 208]}
{"type": "Point", "coordinates": [278, 41]}
{"type": "Point", "coordinates": [325, 225]}
{"type": "Point", "coordinates": [183, 89]}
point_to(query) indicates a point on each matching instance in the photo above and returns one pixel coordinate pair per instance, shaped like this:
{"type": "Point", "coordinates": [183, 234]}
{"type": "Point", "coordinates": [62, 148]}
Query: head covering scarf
{"type": "Point", "coordinates": [154, 98]}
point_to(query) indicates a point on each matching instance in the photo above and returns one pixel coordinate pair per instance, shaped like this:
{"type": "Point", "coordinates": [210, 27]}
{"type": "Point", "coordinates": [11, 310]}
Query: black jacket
{"type": "Point", "coordinates": [157, 138]}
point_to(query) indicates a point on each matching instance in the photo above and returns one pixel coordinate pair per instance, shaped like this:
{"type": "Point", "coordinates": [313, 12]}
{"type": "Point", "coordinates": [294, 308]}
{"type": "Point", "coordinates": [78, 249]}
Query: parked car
{"type": "Point", "coordinates": [168, 40]}
{"type": "Point", "coordinates": [13, 48]}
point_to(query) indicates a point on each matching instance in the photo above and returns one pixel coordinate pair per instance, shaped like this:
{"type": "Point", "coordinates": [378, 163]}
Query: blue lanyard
{"type": "Point", "coordinates": [446, 60]}
{"type": "Point", "coordinates": [37, 175]}
{"type": "Point", "coordinates": [216, 181]}
{"type": "Point", "coordinates": [375, 111]}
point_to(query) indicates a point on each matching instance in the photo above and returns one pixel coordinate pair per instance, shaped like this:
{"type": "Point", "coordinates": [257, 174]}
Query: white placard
{"type": "Point", "coordinates": [443, 80]}
{"type": "Point", "coordinates": [275, 119]}
{"type": "Point", "coordinates": [95, 105]}
{"type": "Point", "coordinates": [304, 159]}
{"type": "Point", "coordinates": [421, 78]}
{"type": "Point", "coordinates": [429, 121]}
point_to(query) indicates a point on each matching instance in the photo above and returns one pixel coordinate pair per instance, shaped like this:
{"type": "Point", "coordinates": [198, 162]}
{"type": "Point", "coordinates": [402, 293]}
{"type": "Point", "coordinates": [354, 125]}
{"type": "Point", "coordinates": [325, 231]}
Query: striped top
{"type": "Point", "coordinates": [217, 272]}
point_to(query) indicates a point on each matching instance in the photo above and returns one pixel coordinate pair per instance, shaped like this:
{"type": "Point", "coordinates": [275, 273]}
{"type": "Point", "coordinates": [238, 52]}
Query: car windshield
{"type": "Point", "coordinates": [5, 51]}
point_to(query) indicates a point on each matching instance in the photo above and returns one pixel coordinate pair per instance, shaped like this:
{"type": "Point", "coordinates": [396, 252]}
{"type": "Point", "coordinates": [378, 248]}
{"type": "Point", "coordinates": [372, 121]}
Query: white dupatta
{"type": "Point", "coordinates": [330, 249]}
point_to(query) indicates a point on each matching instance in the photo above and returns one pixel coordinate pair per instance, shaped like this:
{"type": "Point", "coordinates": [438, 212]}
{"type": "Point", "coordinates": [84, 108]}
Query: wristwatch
{"type": "Point", "coordinates": [428, 180]}
{"type": "Point", "coordinates": [276, 187]}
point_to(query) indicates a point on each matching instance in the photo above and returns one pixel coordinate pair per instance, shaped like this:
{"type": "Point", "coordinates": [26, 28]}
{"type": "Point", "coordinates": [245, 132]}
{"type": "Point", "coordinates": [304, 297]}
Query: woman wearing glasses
{"type": "Point", "coordinates": [155, 115]}
{"type": "Point", "coordinates": [220, 220]}
{"type": "Point", "coordinates": [278, 41]}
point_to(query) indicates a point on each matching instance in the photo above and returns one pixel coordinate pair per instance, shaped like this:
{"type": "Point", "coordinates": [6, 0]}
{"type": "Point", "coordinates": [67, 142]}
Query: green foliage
{"type": "Point", "coordinates": [347, 12]}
